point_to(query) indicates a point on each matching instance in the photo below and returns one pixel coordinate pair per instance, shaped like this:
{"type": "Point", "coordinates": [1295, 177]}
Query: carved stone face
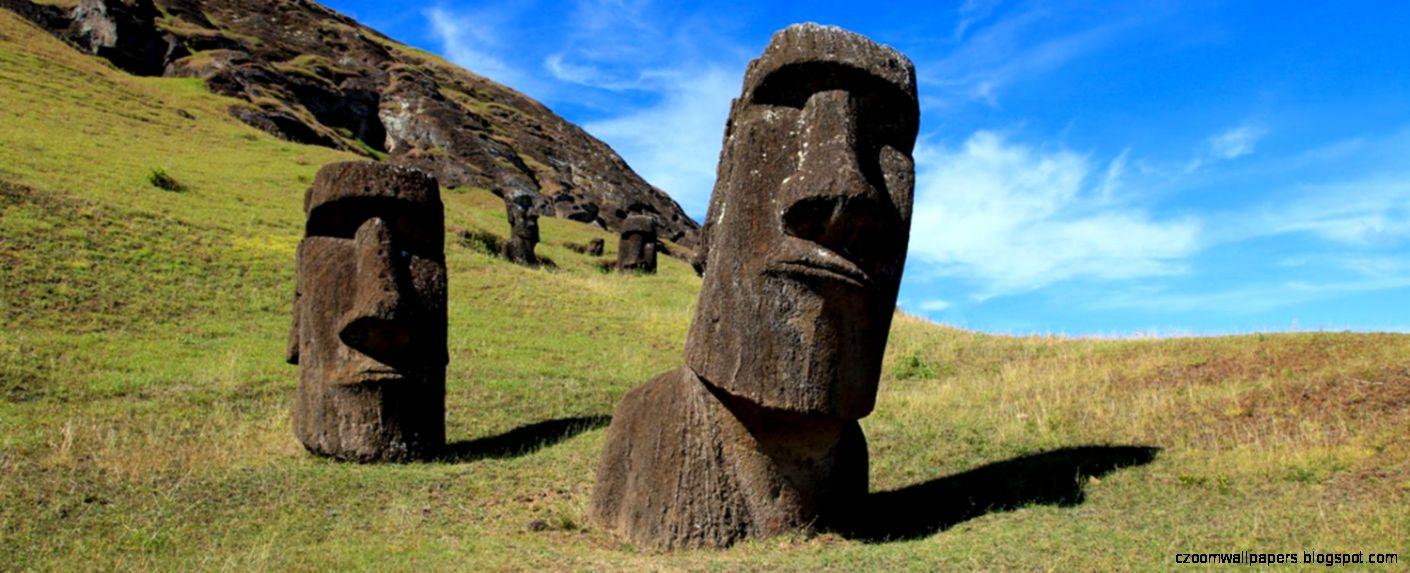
{"type": "Point", "coordinates": [806, 235]}
{"type": "Point", "coordinates": [637, 250]}
{"type": "Point", "coordinates": [369, 330]}
{"type": "Point", "coordinates": [523, 221]}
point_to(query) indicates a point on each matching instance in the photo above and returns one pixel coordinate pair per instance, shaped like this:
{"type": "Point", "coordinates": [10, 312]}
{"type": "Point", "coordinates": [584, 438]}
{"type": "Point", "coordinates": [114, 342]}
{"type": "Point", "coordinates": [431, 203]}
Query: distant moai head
{"type": "Point", "coordinates": [369, 331]}
{"type": "Point", "coordinates": [595, 247]}
{"type": "Point", "coordinates": [523, 220]}
{"type": "Point", "coordinates": [637, 250]}
{"type": "Point", "coordinates": [805, 238]}
{"type": "Point", "coordinates": [523, 228]}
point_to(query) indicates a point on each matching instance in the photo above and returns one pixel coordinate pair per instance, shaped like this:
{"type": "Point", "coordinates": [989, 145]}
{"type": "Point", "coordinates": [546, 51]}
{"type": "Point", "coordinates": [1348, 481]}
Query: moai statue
{"type": "Point", "coordinates": [637, 249]}
{"type": "Point", "coordinates": [369, 331]}
{"type": "Point", "coordinates": [595, 247]}
{"type": "Point", "coordinates": [523, 229]}
{"type": "Point", "coordinates": [805, 240]}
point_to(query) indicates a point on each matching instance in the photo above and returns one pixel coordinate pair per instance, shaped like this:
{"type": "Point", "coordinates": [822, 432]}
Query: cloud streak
{"type": "Point", "coordinates": [675, 143]}
{"type": "Point", "coordinates": [472, 41]}
{"type": "Point", "coordinates": [1013, 219]}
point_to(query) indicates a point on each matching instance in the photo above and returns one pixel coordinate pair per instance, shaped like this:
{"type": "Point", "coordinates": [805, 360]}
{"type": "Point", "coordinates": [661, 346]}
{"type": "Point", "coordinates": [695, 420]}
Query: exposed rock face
{"type": "Point", "coordinates": [369, 331]}
{"type": "Point", "coordinates": [125, 32]}
{"type": "Point", "coordinates": [804, 247]}
{"type": "Point", "coordinates": [523, 230]}
{"type": "Point", "coordinates": [311, 75]}
{"type": "Point", "coordinates": [636, 252]}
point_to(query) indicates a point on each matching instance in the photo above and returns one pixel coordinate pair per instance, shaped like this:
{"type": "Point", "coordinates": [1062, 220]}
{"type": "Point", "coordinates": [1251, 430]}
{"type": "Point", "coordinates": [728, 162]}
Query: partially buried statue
{"type": "Point", "coordinates": [523, 229]}
{"type": "Point", "coordinates": [804, 242]}
{"type": "Point", "coordinates": [369, 332]}
{"type": "Point", "coordinates": [637, 249]}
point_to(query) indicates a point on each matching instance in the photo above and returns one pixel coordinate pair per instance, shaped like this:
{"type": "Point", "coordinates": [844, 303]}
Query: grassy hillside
{"type": "Point", "coordinates": [144, 401]}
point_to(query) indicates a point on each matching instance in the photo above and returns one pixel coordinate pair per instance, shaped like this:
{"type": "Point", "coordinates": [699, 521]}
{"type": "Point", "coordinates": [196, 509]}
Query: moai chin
{"type": "Point", "coordinates": [523, 229]}
{"type": "Point", "coordinates": [637, 249]}
{"type": "Point", "coordinates": [803, 246]}
{"type": "Point", "coordinates": [369, 330]}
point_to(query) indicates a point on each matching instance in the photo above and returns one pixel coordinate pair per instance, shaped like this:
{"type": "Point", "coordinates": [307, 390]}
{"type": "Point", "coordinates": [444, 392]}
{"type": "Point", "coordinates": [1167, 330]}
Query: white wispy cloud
{"type": "Point", "coordinates": [1374, 210]}
{"type": "Point", "coordinates": [1236, 142]}
{"type": "Point", "coordinates": [1013, 218]}
{"type": "Point", "coordinates": [675, 143]}
{"type": "Point", "coordinates": [1248, 299]}
{"type": "Point", "coordinates": [1027, 43]}
{"type": "Point", "coordinates": [972, 12]}
{"type": "Point", "coordinates": [682, 74]}
{"type": "Point", "coordinates": [1231, 143]}
{"type": "Point", "coordinates": [473, 40]}
{"type": "Point", "coordinates": [933, 305]}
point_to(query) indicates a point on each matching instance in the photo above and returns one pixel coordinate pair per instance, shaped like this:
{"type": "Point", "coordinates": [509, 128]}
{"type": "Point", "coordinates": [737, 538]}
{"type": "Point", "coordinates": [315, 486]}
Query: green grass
{"type": "Point", "coordinates": [144, 402]}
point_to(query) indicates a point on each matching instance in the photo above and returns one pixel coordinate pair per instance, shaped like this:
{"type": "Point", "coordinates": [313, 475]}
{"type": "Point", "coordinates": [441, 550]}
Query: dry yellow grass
{"type": "Point", "coordinates": [144, 402]}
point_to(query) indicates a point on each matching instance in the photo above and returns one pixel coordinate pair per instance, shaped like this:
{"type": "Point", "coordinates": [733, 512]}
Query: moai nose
{"type": "Point", "coordinates": [829, 200]}
{"type": "Point", "coordinates": [376, 324]}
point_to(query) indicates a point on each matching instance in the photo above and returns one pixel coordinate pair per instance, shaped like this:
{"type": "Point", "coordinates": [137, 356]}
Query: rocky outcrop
{"type": "Point", "coordinates": [311, 75]}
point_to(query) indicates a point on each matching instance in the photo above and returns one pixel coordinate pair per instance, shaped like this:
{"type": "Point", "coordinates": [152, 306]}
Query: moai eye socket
{"type": "Point", "coordinates": [888, 117]}
{"type": "Point", "coordinates": [413, 227]}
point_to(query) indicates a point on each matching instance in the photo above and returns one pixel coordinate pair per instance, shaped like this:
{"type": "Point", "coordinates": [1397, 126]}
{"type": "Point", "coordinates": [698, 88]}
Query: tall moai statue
{"type": "Point", "coordinates": [523, 229]}
{"type": "Point", "coordinates": [369, 330]}
{"type": "Point", "coordinates": [804, 241]}
{"type": "Point", "coordinates": [637, 249]}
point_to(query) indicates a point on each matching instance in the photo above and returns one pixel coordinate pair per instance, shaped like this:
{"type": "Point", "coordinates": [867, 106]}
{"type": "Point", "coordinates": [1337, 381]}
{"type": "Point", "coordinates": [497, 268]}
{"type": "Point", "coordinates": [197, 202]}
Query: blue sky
{"type": "Point", "coordinates": [1155, 168]}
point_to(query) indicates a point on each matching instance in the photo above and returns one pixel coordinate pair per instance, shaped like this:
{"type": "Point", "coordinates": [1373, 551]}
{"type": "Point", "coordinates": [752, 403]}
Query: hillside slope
{"type": "Point", "coordinates": [307, 74]}
{"type": "Point", "coordinates": [144, 401]}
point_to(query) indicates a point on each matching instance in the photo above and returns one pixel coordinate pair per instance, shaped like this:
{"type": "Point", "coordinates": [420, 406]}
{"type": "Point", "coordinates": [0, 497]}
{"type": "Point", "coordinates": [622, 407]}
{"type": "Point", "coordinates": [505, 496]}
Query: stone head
{"type": "Point", "coordinates": [523, 220]}
{"type": "Point", "coordinates": [369, 332]}
{"type": "Point", "coordinates": [805, 238]}
{"type": "Point", "coordinates": [639, 229]}
{"type": "Point", "coordinates": [637, 249]}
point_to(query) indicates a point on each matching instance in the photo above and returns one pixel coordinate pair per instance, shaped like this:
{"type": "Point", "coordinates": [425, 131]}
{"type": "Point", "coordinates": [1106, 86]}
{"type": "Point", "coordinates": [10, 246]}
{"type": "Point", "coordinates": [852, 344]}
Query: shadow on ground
{"type": "Point", "coordinates": [521, 441]}
{"type": "Point", "coordinates": [1049, 478]}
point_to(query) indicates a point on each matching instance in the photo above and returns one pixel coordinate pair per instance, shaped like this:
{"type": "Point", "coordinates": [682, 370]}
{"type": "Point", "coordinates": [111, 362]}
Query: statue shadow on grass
{"type": "Point", "coordinates": [520, 441]}
{"type": "Point", "coordinates": [1050, 478]}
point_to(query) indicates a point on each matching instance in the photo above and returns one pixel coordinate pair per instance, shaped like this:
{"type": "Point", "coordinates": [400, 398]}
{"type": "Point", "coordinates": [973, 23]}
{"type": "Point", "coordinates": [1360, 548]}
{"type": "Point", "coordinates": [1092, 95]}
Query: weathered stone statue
{"type": "Point", "coordinates": [595, 247]}
{"type": "Point", "coordinates": [369, 331]}
{"type": "Point", "coordinates": [523, 229]}
{"type": "Point", "coordinates": [805, 241]}
{"type": "Point", "coordinates": [637, 249]}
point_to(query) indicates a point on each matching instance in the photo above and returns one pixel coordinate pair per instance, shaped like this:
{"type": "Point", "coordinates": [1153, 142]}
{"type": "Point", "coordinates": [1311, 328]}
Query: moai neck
{"type": "Point", "coordinates": [800, 469]}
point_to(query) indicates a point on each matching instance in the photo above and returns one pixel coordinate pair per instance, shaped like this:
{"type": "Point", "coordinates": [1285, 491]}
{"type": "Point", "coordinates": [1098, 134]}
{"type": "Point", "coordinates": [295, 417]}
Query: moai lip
{"type": "Point", "coordinates": [637, 250]}
{"type": "Point", "coordinates": [523, 229]}
{"type": "Point", "coordinates": [802, 252]}
{"type": "Point", "coordinates": [369, 328]}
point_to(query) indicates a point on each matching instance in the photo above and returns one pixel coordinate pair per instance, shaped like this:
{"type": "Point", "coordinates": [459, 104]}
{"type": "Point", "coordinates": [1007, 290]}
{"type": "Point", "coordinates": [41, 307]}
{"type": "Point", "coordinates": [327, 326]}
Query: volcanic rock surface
{"type": "Point", "coordinates": [308, 74]}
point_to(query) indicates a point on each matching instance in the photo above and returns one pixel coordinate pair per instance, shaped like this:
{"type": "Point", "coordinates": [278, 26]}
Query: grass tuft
{"type": "Point", "coordinates": [160, 179]}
